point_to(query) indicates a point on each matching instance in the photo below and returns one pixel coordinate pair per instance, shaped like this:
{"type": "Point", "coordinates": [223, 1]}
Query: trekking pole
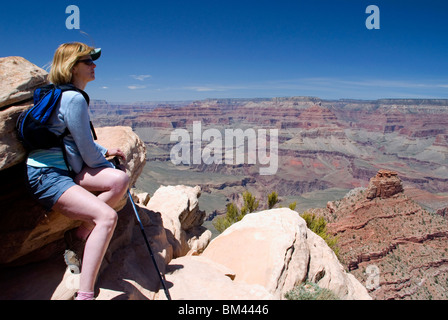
{"type": "Point", "coordinates": [116, 162]}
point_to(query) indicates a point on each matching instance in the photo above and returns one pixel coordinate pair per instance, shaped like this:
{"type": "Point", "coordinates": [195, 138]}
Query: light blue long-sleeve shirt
{"type": "Point", "coordinates": [72, 113]}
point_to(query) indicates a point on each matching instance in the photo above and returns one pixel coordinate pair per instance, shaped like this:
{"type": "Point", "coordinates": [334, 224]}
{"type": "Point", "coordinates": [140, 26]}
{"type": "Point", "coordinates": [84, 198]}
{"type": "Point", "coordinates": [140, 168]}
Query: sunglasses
{"type": "Point", "coordinates": [88, 62]}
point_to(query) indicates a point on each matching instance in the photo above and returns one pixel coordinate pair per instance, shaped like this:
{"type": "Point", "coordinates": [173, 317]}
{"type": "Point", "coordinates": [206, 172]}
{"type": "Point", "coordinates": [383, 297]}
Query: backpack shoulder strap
{"type": "Point", "coordinates": [69, 86]}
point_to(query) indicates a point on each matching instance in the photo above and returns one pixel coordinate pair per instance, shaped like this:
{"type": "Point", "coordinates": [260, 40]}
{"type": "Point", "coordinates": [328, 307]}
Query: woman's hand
{"type": "Point", "coordinates": [116, 153]}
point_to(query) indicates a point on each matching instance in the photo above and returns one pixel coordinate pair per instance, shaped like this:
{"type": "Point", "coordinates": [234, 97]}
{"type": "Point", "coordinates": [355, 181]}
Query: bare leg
{"type": "Point", "coordinates": [111, 184]}
{"type": "Point", "coordinates": [79, 204]}
{"type": "Point", "coordinates": [97, 214]}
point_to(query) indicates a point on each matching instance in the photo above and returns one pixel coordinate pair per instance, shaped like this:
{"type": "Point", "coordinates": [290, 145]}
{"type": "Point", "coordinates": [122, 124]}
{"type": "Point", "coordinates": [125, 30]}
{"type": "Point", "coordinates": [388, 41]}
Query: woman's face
{"type": "Point", "coordinates": [84, 70]}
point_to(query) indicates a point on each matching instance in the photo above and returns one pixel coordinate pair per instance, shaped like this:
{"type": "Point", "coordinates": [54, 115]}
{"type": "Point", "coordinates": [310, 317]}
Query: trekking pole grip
{"type": "Point", "coordinates": [115, 161]}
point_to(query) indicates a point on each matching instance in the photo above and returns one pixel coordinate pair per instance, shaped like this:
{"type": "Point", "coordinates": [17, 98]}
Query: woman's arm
{"type": "Point", "coordinates": [78, 123]}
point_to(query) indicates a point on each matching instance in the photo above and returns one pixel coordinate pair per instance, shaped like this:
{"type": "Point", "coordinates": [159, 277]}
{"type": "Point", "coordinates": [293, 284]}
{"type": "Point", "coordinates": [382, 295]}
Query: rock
{"type": "Point", "coordinates": [19, 80]}
{"type": "Point", "coordinates": [199, 278]}
{"type": "Point", "coordinates": [384, 185]}
{"type": "Point", "coordinates": [275, 249]}
{"type": "Point", "coordinates": [130, 143]}
{"type": "Point", "coordinates": [28, 232]}
{"type": "Point", "coordinates": [261, 257]}
{"type": "Point", "coordinates": [178, 206]}
{"type": "Point", "coordinates": [141, 198]}
{"type": "Point", "coordinates": [331, 206]}
{"type": "Point", "coordinates": [443, 212]}
{"type": "Point", "coordinates": [12, 151]}
{"type": "Point", "coordinates": [326, 270]}
{"type": "Point", "coordinates": [274, 253]}
{"type": "Point", "coordinates": [68, 286]}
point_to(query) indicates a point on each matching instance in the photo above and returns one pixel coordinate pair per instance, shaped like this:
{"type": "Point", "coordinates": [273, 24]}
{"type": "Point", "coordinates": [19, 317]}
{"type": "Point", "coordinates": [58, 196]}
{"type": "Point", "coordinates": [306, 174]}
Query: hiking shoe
{"type": "Point", "coordinates": [74, 251]}
{"type": "Point", "coordinates": [72, 261]}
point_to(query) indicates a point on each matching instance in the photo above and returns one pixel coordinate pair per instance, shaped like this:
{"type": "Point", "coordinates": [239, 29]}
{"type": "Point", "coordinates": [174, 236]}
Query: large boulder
{"type": "Point", "coordinates": [19, 78]}
{"type": "Point", "coordinates": [12, 151]}
{"type": "Point", "coordinates": [199, 278]}
{"type": "Point", "coordinates": [179, 209]}
{"type": "Point", "coordinates": [275, 249]}
{"type": "Point", "coordinates": [326, 270]}
{"type": "Point", "coordinates": [130, 143]}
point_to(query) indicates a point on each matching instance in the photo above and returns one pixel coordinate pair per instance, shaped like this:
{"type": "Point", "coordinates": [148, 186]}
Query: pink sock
{"type": "Point", "coordinates": [84, 295]}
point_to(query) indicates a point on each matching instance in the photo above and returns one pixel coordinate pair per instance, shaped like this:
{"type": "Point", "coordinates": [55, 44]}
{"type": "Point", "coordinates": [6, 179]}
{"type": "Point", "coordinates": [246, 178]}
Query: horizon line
{"type": "Point", "coordinates": [270, 98]}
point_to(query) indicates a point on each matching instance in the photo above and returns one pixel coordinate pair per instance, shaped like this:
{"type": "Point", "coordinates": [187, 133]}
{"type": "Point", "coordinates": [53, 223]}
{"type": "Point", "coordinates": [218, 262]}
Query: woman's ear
{"type": "Point", "coordinates": [74, 69]}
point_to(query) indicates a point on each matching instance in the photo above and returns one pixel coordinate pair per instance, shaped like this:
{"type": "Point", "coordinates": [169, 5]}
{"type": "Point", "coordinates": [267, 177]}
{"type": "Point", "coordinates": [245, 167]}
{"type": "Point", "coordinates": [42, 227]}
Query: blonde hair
{"type": "Point", "coordinates": [64, 59]}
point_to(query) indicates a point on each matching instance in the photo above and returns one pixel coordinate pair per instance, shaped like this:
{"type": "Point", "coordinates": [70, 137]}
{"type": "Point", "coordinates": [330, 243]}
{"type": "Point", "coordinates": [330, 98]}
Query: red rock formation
{"type": "Point", "coordinates": [384, 185]}
{"type": "Point", "coordinates": [393, 233]}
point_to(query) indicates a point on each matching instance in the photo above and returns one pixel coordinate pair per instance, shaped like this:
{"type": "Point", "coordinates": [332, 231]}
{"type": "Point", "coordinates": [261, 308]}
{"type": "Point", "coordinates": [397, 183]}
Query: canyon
{"type": "Point", "coordinates": [325, 147]}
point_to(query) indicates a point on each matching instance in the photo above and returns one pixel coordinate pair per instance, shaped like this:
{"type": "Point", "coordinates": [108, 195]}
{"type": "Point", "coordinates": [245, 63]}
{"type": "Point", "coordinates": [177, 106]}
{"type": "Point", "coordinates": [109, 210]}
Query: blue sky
{"type": "Point", "coordinates": [195, 49]}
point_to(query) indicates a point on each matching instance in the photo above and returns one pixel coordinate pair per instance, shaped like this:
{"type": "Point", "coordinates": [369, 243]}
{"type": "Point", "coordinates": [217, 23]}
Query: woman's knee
{"type": "Point", "coordinates": [120, 180]}
{"type": "Point", "coordinates": [102, 179]}
{"type": "Point", "coordinates": [108, 219]}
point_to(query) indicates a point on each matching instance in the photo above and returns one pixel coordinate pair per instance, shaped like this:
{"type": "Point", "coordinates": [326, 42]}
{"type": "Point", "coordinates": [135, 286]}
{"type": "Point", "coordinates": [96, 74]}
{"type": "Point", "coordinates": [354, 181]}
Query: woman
{"type": "Point", "coordinates": [94, 187]}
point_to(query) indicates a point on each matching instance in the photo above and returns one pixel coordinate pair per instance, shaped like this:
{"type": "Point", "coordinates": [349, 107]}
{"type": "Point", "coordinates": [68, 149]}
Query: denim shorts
{"type": "Point", "coordinates": [48, 184]}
